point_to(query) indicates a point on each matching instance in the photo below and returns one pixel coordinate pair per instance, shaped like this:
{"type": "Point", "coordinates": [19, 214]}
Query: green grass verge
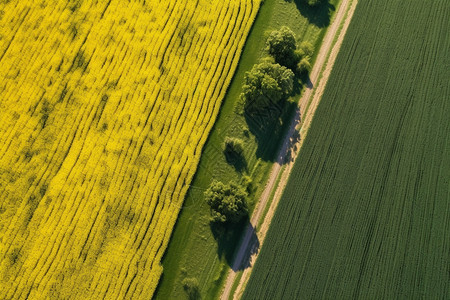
{"type": "Point", "coordinates": [193, 250]}
{"type": "Point", "coordinates": [366, 214]}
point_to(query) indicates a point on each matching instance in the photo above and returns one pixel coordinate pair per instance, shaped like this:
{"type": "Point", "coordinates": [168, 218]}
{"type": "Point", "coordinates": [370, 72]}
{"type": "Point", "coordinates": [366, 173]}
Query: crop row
{"type": "Point", "coordinates": [105, 110]}
{"type": "Point", "coordinates": [365, 213]}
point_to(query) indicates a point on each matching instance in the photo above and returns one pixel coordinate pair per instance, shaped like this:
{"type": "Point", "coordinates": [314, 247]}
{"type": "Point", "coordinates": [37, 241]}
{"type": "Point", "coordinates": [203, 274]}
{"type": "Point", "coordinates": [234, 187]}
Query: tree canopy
{"type": "Point", "coordinates": [227, 202]}
{"type": "Point", "coordinates": [267, 83]}
{"type": "Point", "coordinates": [281, 45]}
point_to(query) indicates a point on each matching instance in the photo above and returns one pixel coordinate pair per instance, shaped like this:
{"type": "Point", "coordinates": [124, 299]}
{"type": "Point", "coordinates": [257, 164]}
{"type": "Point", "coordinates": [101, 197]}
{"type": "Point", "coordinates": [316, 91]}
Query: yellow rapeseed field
{"type": "Point", "coordinates": [104, 109]}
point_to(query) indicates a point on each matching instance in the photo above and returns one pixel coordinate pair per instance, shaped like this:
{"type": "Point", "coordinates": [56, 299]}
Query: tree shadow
{"type": "Point", "coordinates": [319, 14]}
{"type": "Point", "coordinates": [238, 161]}
{"type": "Point", "coordinates": [229, 236]}
{"type": "Point", "coordinates": [292, 148]}
{"type": "Point", "coordinates": [243, 260]}
{"type": "Point", "coordinates": [303, 80]}
{"type": "Point", "coordinates": [268, 125]}
{"type": "Point", "coordinates": [307, 81]}
{"type": "Point", "coordinates": [298, 84]}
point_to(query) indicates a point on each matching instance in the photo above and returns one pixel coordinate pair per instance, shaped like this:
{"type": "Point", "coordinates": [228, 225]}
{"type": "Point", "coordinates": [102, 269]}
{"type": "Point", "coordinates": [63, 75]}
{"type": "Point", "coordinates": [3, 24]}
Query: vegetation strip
{"type": "Point", "coordinates": [195, 250]}
{"type": "Point", "coordinates": [327, 48]}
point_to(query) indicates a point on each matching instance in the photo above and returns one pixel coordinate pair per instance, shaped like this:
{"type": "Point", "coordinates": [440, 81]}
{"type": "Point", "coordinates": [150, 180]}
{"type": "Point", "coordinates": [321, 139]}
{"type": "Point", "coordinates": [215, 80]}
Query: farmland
{"type": "Point", "coordinates": [366, 210]}
{"type": "Point", "coordinates": [105, 108]}
{"type": "Point", "coordinates": [194, 251]}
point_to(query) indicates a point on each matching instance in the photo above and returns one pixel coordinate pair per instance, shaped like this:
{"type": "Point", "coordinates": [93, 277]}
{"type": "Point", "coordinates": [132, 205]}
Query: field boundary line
{"type": "Point", "coordinates": [291, 147]}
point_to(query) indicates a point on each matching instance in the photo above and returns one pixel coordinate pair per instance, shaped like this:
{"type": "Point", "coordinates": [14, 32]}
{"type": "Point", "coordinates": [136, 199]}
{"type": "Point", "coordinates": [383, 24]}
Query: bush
{"type": "Point", "coordinates": [303, 66]}
{"type": "Point", "coordinates": [306, 49]}
{"type": "Point", "coordinates": [247, 182]}
{"type": "Point", "coordinates": [227, 202]}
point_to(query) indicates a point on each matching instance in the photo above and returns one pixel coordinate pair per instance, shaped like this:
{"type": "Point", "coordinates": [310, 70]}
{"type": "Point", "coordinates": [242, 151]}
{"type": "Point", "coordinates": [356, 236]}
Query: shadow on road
{"type": "Point", "coordinates": [228, 239]}
{"type": "Point", "coordinates": [292, 147]}
{"type": "Point", "coordinates": [269, 125]}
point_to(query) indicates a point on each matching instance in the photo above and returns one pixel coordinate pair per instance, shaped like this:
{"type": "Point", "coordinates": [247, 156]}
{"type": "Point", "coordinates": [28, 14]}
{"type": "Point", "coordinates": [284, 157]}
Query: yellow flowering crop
{"type": "Point", "coordinates": [104, 109]}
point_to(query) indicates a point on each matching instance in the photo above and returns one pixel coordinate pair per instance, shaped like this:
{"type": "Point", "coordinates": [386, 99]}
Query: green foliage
{"type": "Point", "coordinates": [234, 153]}
{"type": "Point", "coordinates": [45, 111]}
{"type": "Point", "coordinates": [193, 221]}
{"type": "Point", "coordinates": [266, 84]}
{"type": "Point", "coordinates": [281, 45]}
{"type": "Point", "coordinates": [306, 49]}
{"type": "Point", "coordinates": [303, 66]}
{"type": "Point", "coordinates": [43, 189]}
{"type": "Point", "coordinates": [190, 286]}
{"type": "Point", "coordinates": [247, 182]}
{"type": "Point", "coordinates": [228, 202]}
{"type": "Point", "coordinates": [303, 56]}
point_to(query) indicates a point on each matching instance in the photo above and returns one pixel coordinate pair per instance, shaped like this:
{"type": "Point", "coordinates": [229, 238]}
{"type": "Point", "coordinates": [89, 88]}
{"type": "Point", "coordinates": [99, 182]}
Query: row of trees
{"type": "Point", "coordinates": [272, 80]}
{"type": "Point", "coordinates": [268, 83]}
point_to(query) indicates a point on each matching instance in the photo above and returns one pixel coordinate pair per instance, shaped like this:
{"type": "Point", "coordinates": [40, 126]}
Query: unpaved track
{"type": "Point", "coordinates": [324, 62]}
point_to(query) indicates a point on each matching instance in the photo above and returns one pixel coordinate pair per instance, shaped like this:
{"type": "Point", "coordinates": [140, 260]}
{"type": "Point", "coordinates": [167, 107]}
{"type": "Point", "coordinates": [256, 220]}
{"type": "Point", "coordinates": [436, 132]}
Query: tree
{"type": "Point", "coordinates": [227, 202]}
{"type": "Point", "coordinates": [281, 45]}
{"type": "Point", "coordinates": [266, 84]}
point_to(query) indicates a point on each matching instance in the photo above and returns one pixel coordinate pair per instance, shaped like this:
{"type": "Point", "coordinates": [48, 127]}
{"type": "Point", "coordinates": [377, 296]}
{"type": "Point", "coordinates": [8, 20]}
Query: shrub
{"type": "Point", "coordinates": [227, 202]}
{"type": "Point", "coordinates": [303, 66]}
{"type": "Point", "coordinates": [247, 182]}
{"type": "Point", "coordinates": [306, 49]}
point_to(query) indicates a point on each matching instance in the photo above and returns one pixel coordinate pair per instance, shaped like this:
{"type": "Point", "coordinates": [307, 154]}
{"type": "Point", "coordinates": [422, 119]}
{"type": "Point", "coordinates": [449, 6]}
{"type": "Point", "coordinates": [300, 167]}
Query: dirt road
{"type": "Point", "coordinates": [323, 65]}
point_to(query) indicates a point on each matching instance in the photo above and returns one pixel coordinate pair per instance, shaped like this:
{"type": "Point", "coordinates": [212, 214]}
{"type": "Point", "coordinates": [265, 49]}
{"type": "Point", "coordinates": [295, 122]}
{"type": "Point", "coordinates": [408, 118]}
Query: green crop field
{"type": "Point", "coordinates": [366, 212]}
